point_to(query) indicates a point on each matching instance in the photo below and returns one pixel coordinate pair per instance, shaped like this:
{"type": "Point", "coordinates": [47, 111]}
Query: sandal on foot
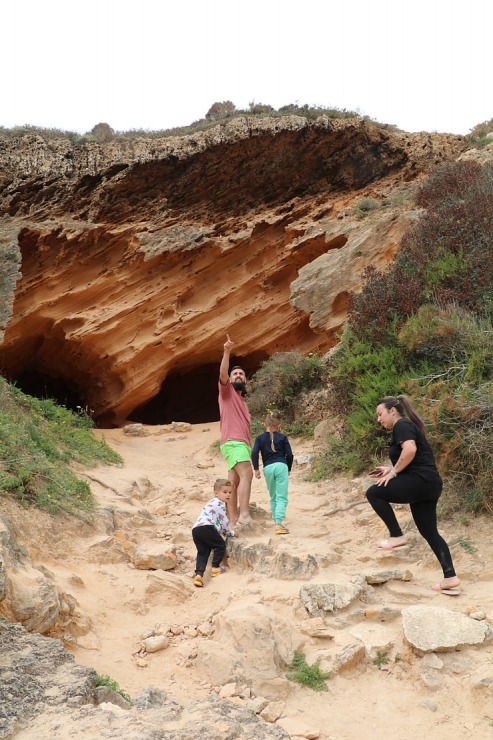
{"type": "Point", "coordinates": [218, 571]}
{"type": "Point", "coordinates": [452, 591]}
{"type": "Point", "coordinates": [198, 581]}
{"type": "Point", "coordinates": [280, 529]}
{"type": "Point", "coordinates": [386, 545]}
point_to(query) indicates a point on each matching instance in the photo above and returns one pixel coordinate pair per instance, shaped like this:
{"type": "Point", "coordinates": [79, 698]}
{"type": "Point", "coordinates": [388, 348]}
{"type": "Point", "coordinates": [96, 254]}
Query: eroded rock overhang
{"type": "Point", "coordinates": [138, 257]}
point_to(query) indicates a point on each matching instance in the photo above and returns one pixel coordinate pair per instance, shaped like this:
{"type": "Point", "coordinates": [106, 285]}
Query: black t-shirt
{"type": "Point", "coordinates": [423, 463]}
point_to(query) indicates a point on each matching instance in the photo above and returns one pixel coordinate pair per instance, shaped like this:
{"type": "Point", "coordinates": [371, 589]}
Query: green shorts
{"type": "Point", "coordinates": [235, 452]}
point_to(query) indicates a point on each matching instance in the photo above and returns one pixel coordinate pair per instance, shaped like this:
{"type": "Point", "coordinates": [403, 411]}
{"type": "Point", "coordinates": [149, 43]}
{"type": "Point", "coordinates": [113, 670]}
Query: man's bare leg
{"type": "Point", "coordinates": [232, 505]}
{"type": "Point", "coordinates": [244, 471]}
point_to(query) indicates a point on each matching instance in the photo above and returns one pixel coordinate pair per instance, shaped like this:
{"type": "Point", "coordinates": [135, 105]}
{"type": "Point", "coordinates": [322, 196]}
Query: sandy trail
{"type": "Point", "coordinates": [173, 474]}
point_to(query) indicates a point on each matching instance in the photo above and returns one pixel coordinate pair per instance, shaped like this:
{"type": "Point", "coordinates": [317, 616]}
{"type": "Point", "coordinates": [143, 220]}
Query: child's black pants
{"type": "Point", "coordinates": [207, 539]}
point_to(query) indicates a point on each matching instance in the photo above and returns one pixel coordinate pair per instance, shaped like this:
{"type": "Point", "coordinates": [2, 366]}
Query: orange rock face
{"type": "Point", "coordinates": [139, 256]}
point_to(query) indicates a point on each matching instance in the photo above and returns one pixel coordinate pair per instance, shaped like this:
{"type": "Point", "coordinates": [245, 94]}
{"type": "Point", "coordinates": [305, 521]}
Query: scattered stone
{"type": "Point", "coordinates": [377, 638]}
{"type": "Point", "coordinates": [273, 711]}
{"type": "Point", "coordinates": [432, 680]}
{"type": "Point", "coordinates": [152, 631]}
{"type": "Point", "coordinates": [320, 598]}
{"type": "Point", "coordinates": [303, 460]}
{"type": "Point", "coordinates": [104, 694]}
{"type": "Point", "coordinates": [141, 663]}
{"type": "Point", "coordinates": [273, 558]}
{"type": "Point", "coordinates": [227, 691]}
{"type": "Point", "coordinates": [436, 629]}
{"type": "Point", "coordinates": [316, 627]}
{"type": "Point", "coordinates": [298, 728]}
{"type": "Point", "coordinates": [430, 660]}
{"type": "Point", "coordinates": [205, 629]}
{"type": "Point", "coordinates": [154, 644]}
{"type": "Point", "coordinates": [150, 698]}
{"type": "Point", "coordinates": [388, 575]}
{"type": "Point", "coordinates": [257, 704]}
{"type": "Point", "coordinates": [349, 657]}
{"type": "Point", "coordinates": [479, 615]}
{"type": "Point", "coordinates": [153, 556]}
{"type": "Point", "coordinates": [135, 430]}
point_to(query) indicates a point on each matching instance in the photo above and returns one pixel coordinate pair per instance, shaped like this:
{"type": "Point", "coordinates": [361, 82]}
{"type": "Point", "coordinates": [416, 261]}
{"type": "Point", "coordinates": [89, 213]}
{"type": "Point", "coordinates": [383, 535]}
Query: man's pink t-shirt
{"type": "Point", "coordinates": [234, 414]}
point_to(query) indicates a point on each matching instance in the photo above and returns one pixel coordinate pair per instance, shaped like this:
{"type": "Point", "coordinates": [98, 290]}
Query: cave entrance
{"type": "Point", "coordinates": [190, 395]}
{"type": "Point", "coordinates": [64, 392]}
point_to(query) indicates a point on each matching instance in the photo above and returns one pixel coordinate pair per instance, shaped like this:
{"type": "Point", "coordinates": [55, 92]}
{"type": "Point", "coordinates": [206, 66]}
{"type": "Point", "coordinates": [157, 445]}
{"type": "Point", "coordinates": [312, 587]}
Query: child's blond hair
{"type": "Point", "coordinates": [272, 422]}
{"type": "Point", "coordinates": [220, 482]}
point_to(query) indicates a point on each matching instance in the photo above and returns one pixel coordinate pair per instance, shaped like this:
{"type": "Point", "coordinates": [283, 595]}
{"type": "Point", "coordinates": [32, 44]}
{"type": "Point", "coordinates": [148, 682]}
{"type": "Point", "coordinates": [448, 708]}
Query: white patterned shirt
{"type": "Point", "coordinates": [214, 512]}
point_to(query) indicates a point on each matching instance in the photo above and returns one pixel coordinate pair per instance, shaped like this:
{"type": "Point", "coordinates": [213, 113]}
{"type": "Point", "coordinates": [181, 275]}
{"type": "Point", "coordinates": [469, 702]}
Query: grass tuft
{"type": "Point", "coordinates": [39, 440]}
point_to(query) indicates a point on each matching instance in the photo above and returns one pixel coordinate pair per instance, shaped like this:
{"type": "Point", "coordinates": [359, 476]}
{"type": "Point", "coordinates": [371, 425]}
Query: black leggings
{"type": "Point", "coordinates": [422, 495]}
{"type": "Point", "coordinates": [207, 539]}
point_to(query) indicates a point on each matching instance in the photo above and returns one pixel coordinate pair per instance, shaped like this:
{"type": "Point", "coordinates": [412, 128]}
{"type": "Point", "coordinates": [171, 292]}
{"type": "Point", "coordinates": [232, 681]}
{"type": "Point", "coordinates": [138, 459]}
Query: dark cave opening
{"type": "Point", "coordinates": [38, 384]}
{"type": "Point", "coordinates": [186, 395]}
{"type": "Point", "coordinates": [190, 395]}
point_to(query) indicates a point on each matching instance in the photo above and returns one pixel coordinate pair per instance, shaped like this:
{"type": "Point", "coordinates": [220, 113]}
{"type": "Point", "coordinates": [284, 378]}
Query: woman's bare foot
{"type": "Point", "coordinates": [393, 543]}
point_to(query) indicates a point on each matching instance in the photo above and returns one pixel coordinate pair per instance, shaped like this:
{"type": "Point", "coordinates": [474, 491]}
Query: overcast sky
{"type": "Point", "coordinates": [423, 65]}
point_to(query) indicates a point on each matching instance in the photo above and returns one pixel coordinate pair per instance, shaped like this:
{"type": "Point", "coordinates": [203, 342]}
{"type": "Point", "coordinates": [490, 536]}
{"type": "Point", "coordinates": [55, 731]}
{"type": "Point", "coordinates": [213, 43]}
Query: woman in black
{"type": "Point", "coordinates": [413, 479]}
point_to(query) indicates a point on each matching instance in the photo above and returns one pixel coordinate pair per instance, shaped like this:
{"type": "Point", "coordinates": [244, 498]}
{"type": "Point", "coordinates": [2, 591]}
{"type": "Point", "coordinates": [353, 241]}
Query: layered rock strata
{"type": "Point", "coordinates": [139, 255]}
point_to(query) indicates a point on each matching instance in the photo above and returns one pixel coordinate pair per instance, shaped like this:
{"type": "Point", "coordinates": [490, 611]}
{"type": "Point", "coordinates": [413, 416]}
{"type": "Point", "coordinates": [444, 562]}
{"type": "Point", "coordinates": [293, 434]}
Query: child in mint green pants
{"type": "Point", "coordinates": [277, 459]}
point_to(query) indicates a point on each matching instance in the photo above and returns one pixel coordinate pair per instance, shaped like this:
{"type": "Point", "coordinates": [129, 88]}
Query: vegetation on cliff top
{"type": "Point", "coordinates": [219, 112]}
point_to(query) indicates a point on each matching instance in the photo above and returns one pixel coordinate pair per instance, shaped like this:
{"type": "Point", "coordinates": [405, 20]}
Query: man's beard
{"type": "Point", "coordinates": [239, 385]}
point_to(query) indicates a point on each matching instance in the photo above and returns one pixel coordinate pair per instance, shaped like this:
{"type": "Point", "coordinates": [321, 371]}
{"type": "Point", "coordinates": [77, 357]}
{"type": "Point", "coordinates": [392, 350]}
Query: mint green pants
{"type": "Point", "coordinates": [276, 477]}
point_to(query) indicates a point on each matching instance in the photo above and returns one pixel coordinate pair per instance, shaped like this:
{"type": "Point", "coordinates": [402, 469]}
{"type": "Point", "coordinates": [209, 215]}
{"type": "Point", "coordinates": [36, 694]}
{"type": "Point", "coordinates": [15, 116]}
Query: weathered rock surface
{"type": "Point", "coordinates": [43, 693]}
{"type": "Point", "coordinates": [435, 629]}
{"type": "Point", "coordinates": [138, 256]}
{"type": "Point", "coordinates": [36, 673]}
{"type": "Point", "coordinates": [323, 598]}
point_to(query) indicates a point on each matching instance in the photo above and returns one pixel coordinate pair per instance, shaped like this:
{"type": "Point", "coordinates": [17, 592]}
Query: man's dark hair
{"type": "Point", "coordinates": [236, 367]}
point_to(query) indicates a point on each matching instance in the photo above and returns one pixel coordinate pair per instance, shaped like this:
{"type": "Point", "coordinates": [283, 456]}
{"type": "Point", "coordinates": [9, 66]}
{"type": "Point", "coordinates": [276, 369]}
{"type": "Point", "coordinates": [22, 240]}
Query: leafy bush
{"type": "Point", "coordinates": [102, 133]}
{"type": "Point", "coordinates": [220, 110]}
{"type": "Point", "coordinates": [424, 326]}
{"type": "Point", "coordinates": [104, 680]}
{"type": "Point", "coordinates": [365, 205]}
{"type": "Point", "coordinates": [307, 675]}
{"type": "Point", "coordinates": [38, 441]}
{"type": "Point", "coordinates": [278, 382]}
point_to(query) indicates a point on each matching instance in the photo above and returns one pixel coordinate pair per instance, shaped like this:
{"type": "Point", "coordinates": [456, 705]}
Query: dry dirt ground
{"type": "Point", "coordinates": [405, 698]}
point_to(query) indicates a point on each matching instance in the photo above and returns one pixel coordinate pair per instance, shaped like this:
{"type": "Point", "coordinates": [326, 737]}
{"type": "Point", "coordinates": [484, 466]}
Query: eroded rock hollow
{"type": "Point", "coordinates": [139, 255]}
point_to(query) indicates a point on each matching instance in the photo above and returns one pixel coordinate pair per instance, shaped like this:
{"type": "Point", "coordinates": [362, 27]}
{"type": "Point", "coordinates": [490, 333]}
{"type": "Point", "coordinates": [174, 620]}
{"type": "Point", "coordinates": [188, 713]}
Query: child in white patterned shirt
{"type": "Point", "coordinates": [209, 531]}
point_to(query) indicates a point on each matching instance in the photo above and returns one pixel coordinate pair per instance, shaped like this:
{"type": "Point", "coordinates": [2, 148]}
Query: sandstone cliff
{"type": "Point", "coordinates": [137, 256]}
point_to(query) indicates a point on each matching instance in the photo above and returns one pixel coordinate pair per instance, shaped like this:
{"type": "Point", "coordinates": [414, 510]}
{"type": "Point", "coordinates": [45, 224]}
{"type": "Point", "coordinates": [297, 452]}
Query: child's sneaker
{"type": "Point", "coordinates": [217, 571]}
{"type": "Point", "coordinates": [198, 581]}
{"type": "Point", "coordinates": [280, 529]}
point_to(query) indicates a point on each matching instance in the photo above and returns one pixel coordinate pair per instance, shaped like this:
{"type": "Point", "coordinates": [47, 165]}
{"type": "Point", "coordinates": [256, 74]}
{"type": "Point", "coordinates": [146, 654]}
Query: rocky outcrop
{"type": "Point", "coordinates": [138, 256]}
{"type": "Point", "coordinates": [43, 693]}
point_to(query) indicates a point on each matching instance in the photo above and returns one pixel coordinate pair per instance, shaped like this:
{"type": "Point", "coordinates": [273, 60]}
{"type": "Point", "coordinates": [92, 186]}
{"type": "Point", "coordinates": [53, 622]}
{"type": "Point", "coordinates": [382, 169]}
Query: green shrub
{"type": "Point", "coordinates": [102, 133]}
{"type": "Point", "coordinates": [278, 382]}
{"type": "Point", "coordinates": [307, 675]}
{"type": "Point", "coordinates": [424, 326]}
{"type": "Point", "coordinates": [104, 680]}
{"type": "Point", "coordinates": [365, 205]}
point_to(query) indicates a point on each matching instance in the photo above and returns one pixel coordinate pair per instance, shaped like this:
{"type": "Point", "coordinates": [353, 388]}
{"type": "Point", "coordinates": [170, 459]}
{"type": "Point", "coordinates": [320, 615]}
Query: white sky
{"type": "Point", "coordinates": [423, 65]}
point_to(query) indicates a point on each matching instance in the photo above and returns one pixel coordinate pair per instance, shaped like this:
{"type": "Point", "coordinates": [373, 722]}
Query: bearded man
{"type": "Point", "coordinates": [235, 428]}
